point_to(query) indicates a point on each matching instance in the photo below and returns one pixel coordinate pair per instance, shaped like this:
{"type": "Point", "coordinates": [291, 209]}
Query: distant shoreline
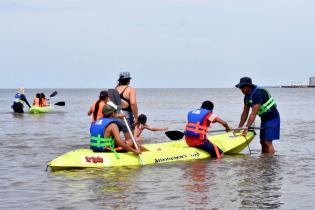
{"type": "Point", "coordinates": [297, 86]}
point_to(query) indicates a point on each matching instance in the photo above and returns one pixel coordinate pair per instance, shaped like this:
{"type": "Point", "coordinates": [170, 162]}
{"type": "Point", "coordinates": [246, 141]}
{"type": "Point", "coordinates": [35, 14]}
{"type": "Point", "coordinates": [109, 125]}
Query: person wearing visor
{"type": "Point", "coordinates": [129, 102]}
{"type": "Point", "coordinates": [263, 105]}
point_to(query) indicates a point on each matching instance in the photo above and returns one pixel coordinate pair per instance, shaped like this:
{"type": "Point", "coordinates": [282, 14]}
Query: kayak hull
{"type": "Point", "coordinates": [38, 110]}
{"type": "Point", "coordinates": [172, 151]}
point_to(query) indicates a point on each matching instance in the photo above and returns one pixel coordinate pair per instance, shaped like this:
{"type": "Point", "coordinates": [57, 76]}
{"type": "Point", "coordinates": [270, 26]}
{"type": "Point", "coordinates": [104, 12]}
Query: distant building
{"type": "Point", "coordinates": [312, 82]}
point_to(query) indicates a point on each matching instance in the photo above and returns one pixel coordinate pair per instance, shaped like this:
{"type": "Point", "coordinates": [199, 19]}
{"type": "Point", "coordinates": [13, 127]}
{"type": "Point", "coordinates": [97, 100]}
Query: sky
{"type": "Point", "coordinates": [162, 43]}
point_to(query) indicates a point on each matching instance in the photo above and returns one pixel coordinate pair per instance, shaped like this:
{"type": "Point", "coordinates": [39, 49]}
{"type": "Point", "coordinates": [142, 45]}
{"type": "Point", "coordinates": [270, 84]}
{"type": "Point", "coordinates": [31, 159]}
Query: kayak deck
{"type": "Point", "coordinates": [158, 153]}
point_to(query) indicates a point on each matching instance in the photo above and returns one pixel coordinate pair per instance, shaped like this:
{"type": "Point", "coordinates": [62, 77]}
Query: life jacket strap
{"type": "Point", "coordinates": [216, 149]}
{"type": "Point", "coordinates": [197, 128]}
{"type": "Point", "coordinates": [104, 142]}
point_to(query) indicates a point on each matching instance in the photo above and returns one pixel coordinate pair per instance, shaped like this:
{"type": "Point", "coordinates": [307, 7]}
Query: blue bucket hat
{"type": "Point", "coordinates": [244, 81]}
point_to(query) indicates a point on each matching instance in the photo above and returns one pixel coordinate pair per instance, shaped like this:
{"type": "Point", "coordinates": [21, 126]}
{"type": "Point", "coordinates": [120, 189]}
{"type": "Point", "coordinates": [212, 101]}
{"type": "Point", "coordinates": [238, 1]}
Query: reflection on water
{"type": "Point", "coordinates": [200, 180]}
{"type": "Point", "coordinates": [106, 186]}
{"type": "Point", "coordinates": [260, 182]}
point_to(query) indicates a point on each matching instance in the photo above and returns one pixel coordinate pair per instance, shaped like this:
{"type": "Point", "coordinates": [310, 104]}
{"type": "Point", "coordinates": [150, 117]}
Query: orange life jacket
{"type": "Point", "coordinates": [44, 102]}
{"type": "Point", "coordinates": [197, 126]}
{"type": "Point", "coordinates": [36, 102]}
{"type": "Point", "coordinates": [99, 112]}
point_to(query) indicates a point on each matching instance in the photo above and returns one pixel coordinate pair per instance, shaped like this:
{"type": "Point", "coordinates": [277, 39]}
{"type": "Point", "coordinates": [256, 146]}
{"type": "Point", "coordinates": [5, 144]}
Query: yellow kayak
{"type": "Point", "coordinates": [38, 110]}
{"type": "Point", "coordinates": [159, 153]}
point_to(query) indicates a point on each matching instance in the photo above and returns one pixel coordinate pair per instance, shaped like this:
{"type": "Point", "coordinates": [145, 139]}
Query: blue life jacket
{"type": "Point", "coordinates": [97, 140]}
{"type": "Point", "coordinates": [18, 98]}
{"type": "Point", "coordinates": [197, 123]}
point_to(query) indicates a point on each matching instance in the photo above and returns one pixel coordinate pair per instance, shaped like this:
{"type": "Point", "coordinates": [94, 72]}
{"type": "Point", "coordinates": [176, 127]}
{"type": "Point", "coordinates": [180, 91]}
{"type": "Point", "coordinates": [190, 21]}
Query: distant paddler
{"type": "Point", "coordinates": [40, 100]}
{"type": "Point", "coordinates": [262, 104]}
{"type": "Point", "coordinates": [19, 101]}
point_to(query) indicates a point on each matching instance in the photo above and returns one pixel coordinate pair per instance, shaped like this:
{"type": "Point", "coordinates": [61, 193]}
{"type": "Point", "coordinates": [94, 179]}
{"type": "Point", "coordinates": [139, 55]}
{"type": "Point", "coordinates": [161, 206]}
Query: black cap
{"type": "Point", "coordinates": [244, 81]}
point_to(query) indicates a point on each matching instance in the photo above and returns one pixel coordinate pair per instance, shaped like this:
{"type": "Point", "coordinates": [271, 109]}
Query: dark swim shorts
{"type": "Point", "coordinates": [130, 121]}
{"type": "Point", "coordinates": [271, 131]}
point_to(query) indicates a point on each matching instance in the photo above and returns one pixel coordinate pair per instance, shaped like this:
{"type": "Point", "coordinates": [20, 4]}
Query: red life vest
{"type": "Point", "coordinates": [197, 126]}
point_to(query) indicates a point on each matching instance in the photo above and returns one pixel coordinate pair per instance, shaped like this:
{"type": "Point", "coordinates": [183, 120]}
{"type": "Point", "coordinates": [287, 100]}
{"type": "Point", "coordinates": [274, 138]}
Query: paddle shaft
{"type": "Point", "coordinates": [233, 129]}
{"type": "Point", "coordinates": [133, 139]}
{"type": "Point", "coordinates": [115, 97]}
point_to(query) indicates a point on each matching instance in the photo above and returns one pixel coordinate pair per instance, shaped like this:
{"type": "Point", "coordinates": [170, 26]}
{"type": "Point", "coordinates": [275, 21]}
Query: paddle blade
{"type": "Point", "coordinates": [53, 94]}
{"type": "Point", "coordinates": [60, 103]}
{"type": "Point", "coordinates": [114, 96]}
{"type": "Point", "coordinates": [174, 135]}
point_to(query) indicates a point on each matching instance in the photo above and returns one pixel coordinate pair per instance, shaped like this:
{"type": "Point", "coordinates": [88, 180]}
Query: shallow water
{"type": "Point", "coordinates": [29, 142]}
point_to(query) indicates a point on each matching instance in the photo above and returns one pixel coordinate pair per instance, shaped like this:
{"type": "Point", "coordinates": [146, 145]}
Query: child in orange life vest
{"type": "Point", "coordinates": [43, 100]}
{"type": "Point", "coordinates": [37, 101]}
{"type": "Point", "coordinates": [142, 119]}
{"type": "Point", "coordinates": [199, 120]}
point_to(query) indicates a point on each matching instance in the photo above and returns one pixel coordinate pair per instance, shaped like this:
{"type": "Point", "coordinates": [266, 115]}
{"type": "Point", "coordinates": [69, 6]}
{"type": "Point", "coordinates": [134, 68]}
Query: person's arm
{"type": "Point", "coordinates": [251, 118]}
{"type": "Point", "coordinates": [90, 111]}
{"type": "Point", "coordinates": [155, 129]}
{"type": "Point", "coordinates": [115, 132]}
{"type": "Point", "coordinates": [133, 104]}
{"type": "Point", "coordinates": [25, 100]}
{"type": "Point", "coordinates": [244, 116]}
{"type": "Point", "coordinates": [223, 123]}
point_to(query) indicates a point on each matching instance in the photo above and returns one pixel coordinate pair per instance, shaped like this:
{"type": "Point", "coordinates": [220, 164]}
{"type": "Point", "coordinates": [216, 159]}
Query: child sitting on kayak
{"type": "Point", "coordinates": [40, 100]}
{"type": "Point", "coordinates": [198, 122]}
{"type": "Point", "coordinates": [142, 120]}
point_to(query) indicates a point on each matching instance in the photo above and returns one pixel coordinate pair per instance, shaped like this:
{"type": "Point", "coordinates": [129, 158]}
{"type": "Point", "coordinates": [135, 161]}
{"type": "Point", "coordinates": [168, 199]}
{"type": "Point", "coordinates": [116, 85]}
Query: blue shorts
{"type": "Point", "coordinates": [208, 146]}
{"type": "Point", "coordinates": [272, 131]}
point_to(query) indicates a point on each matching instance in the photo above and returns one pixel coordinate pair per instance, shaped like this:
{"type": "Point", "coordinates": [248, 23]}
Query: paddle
{"type": "Point", "coordinates": [53, 94]}
{"type": "Point", "coordinates": [60, 103]}
{"type": "Point", "coordinates": [115, 98]}
{"type": "Point", "coordinates": [177, 135]}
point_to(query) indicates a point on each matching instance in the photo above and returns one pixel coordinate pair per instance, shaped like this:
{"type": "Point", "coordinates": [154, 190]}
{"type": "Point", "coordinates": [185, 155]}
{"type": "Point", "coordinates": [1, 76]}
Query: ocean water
{"type": "Point", "coordinates": [283, 181]}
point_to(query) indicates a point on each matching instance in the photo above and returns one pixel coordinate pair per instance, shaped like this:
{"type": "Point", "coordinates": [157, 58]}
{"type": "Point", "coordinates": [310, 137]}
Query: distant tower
{"type": "Point", "coordinates": [312, 81]}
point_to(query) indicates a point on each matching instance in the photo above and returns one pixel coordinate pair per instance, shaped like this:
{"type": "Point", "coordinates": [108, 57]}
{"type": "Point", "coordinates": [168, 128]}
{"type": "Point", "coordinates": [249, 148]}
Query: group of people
{"type": "Point", "coordinates": [107, 122]}
{"type": "Point", "coordinates": [40, 100]}
{"type": "Point", "coordinates": [256, 98]}
{"type": "Point", "coordinates": [20, 98]}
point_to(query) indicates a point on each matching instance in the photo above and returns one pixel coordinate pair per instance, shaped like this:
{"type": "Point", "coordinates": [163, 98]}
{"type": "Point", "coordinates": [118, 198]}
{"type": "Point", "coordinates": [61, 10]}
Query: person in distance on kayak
{"type": "Point", "coordinates": [128, 102]}
{"type": "Point", "coordinates": [105, 133]}
{"type": "Point", "coordinates": [43, 99]}
{"type": "Point", "coordinates": [19, 101]}
{"type": "Point", "coordinates": [37, 100]}
{"type": "Point", "coordinates": [262, 104]}
{"type": "Point", "coordinates": [40, 100]}
{"type": "Point", "coordinates": [142, 124]}
{"type": "Point", "coordinates": [199, 120]}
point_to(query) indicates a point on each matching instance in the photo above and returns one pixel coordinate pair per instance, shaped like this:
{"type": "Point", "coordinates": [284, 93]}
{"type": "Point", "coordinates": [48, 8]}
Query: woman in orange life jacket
{"type": "Point", "coordinates": [43, 99]}
{"type": "Point", "coordinates": [37, 101]}
{"type": "Point", "coordinates": [97, 107]}
{"type": "Point", "coordinates": [197, 126]}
